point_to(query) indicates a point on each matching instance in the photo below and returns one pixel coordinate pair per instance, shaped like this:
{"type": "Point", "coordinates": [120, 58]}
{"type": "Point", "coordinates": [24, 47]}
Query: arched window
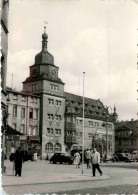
{"type": "Point", "coordinates": [57, 147]}
{"type": "Point", "coordinates": [49, 147]}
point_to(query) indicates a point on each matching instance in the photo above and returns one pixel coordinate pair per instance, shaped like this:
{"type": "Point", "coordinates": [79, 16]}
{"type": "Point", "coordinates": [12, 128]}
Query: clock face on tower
{"type": "Point", "coordinates": [34, 71]}
{"type": "Point", "coordinates": [53, 72]}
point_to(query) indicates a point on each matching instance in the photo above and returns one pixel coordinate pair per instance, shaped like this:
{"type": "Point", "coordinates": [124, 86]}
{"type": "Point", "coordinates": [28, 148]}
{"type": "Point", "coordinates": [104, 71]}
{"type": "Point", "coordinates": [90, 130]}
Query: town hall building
{"type": "Point", "coordinates": [59, 114]}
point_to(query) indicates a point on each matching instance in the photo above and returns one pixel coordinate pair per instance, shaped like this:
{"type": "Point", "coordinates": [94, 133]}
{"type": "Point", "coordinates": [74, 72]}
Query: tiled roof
{"type": "Point", "coordinates": [93, 108]}
{"type": "Point", "coordinates": [123, 125]}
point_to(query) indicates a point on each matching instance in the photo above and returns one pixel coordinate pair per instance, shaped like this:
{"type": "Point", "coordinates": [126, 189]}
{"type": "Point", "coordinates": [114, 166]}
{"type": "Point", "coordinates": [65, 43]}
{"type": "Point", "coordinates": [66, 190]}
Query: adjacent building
{"type": "Point", "coordinates": [126, 136]}
{"type": "Point", "coordinates": [23, 116]}
{"type": "Point", "coordinates": [4, 4]}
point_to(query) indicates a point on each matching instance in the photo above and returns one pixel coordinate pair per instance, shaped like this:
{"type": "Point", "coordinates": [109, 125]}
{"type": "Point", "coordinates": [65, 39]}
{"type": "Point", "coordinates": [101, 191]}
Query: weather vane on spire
{"type": "Point", "coordinates": [45, 26]}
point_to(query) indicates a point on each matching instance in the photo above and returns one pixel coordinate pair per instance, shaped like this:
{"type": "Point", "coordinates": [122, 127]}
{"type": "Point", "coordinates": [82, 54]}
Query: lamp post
{"type": "Point", "coordinates": [114, 117]}
{"type": "Point", "coordinates": [93, 138]}
{"type": "Point", "coordinates": [106, 124]}
{"type": "Point", "coordinates": [83, 129]}
{"type": "Point", "coordinates": [107, 116]}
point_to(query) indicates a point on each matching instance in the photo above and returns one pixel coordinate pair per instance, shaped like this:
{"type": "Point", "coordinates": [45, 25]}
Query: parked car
{"type": "Point", "coordinates": [115, 158]}
{"type": "Point", "coordinates": [110, 159]}
{"type": "Point", "coordinates": [124, 157]}
{"type": "Point", "coordinates": [61, 158]}
{"type": "Point", "coordinates": [28, 155]}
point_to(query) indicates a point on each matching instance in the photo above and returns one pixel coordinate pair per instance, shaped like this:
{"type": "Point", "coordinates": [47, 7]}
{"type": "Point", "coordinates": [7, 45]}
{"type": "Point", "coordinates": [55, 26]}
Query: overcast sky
{"type": "Point", "coordinates": [98, 37]}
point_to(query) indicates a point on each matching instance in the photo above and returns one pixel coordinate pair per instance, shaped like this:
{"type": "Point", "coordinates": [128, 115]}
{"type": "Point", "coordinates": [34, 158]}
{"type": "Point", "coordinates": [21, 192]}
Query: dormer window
{"type": "Point", "coordinates": [15, 97]}
{"type": "Point", "coordinates": [23, 98]}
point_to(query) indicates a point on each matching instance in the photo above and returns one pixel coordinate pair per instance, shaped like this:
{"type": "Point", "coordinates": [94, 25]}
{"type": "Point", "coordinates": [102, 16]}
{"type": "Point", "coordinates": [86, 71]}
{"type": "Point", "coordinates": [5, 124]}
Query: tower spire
{"type": "Point", "coordinates": [44, 29]}
{"type": "Point", "coordinates": [44, 41]}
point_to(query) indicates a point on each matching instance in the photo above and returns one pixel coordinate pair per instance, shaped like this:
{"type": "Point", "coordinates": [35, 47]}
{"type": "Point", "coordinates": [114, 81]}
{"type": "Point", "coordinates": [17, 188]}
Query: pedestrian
{"type": "Point", "coordinates": [95, 159]}
{"type": "Point", "coordinates": [77, 159]}
{"type": "Point", "coordinates": [19, 156]}
{"type": "Point", "coordinates": [88, 158]}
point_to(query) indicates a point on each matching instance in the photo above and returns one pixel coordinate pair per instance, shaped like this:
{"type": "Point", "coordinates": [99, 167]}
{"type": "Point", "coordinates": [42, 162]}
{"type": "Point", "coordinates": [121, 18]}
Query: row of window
{"type": "Point", "coordinates": [125, 143]}
{"type": "Point", "coordinates": [33, 87]}
{"type": "Point", "coordinates": [90, 135]}
{"type": "Point", "coordinates": [24, 98]}
{"type": "Point", "coordinates": [50, 147]}
{"type": "Point", "coordinates": [51, 102]}
{"type": "Point", "coordinates": [80, 122]}
{"type": "Point", "coordinates": [50, 131]}
{"type": "Point", "coordinates": [33, 130]}
{"type": "Point", "coordinates": [80, 104]}
{"type": "Point", "coordinates": [124, 133]}
{"type": "Point", "coordinates": [54, 87]}
{"type": "Point", "coordinates": [33, 113]}
{"type": "Point", "coordinates": [52, 117]}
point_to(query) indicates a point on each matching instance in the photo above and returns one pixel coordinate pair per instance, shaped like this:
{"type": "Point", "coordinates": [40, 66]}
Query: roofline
{"type": "Point", "coordinates": [82, 96]}
{"type": "Point", "coordinates": [22, 93]}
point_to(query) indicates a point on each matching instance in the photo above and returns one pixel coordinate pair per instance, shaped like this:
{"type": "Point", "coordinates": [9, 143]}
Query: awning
{"type": "Point", "coordinates": [11, 131]}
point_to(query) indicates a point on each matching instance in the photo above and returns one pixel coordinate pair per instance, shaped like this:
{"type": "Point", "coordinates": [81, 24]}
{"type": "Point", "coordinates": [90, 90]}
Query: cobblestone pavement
{"type": "Point", "coordinates": [119, 180]}
{"type": "Point", "coordinates": [118, 189]}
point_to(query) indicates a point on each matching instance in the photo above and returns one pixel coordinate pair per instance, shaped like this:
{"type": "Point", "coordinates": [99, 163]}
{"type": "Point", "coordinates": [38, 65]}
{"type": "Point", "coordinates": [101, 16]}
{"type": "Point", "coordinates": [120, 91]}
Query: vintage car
{"type": "Point", "coordinates": [61, 158]}
{"type": "Point", "coordinates": [124, 157]}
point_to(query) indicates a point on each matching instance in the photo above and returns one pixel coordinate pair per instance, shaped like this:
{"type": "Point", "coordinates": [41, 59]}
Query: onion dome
{"type": "Point", "coordinates": [44, 57]}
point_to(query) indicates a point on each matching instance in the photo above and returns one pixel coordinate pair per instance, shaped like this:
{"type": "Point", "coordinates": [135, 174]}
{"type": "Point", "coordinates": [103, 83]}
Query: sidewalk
{"type": "Point", "coordinates": [132, 165]}
{"type": "Point", "coordinates": [39, 175]}
{"type": "Point", "coordinates": [28, 180]}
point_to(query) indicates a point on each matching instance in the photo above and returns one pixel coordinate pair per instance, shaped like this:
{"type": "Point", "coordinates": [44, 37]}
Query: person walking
{"type": "Point", "coordinates": [19, 157]}
{"type": "Point", "coordinates": [88, 158]}
{"type": "Point", "coordinates": [77, 159]}
{"type": "Point", "coordinates": [95, 158]}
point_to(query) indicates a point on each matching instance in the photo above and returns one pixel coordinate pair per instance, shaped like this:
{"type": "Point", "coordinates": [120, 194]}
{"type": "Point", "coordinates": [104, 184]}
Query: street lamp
{"type": "Point", "coordinates": [106, 124]}
{"type": "Point", "coordinates": [114, 117]}
{"type": "Point", "coordinates": [93, 138]}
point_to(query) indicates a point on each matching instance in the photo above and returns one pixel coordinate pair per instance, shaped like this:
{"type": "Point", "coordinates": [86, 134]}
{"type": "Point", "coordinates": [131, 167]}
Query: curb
{"type": "Point", "coordinates": [51, 182]}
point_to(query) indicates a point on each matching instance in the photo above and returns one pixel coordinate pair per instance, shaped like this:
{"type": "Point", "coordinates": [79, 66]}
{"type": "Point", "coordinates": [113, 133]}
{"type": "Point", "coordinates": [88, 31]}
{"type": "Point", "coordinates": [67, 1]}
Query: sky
{"type": "Point", "coordinates": [98, 37]}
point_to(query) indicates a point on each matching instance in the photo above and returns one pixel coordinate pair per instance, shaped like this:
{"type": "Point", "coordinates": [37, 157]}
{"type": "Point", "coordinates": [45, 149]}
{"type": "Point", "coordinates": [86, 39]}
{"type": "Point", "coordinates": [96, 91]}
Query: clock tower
{"type": "Point", "coordinates": [44, 81]}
